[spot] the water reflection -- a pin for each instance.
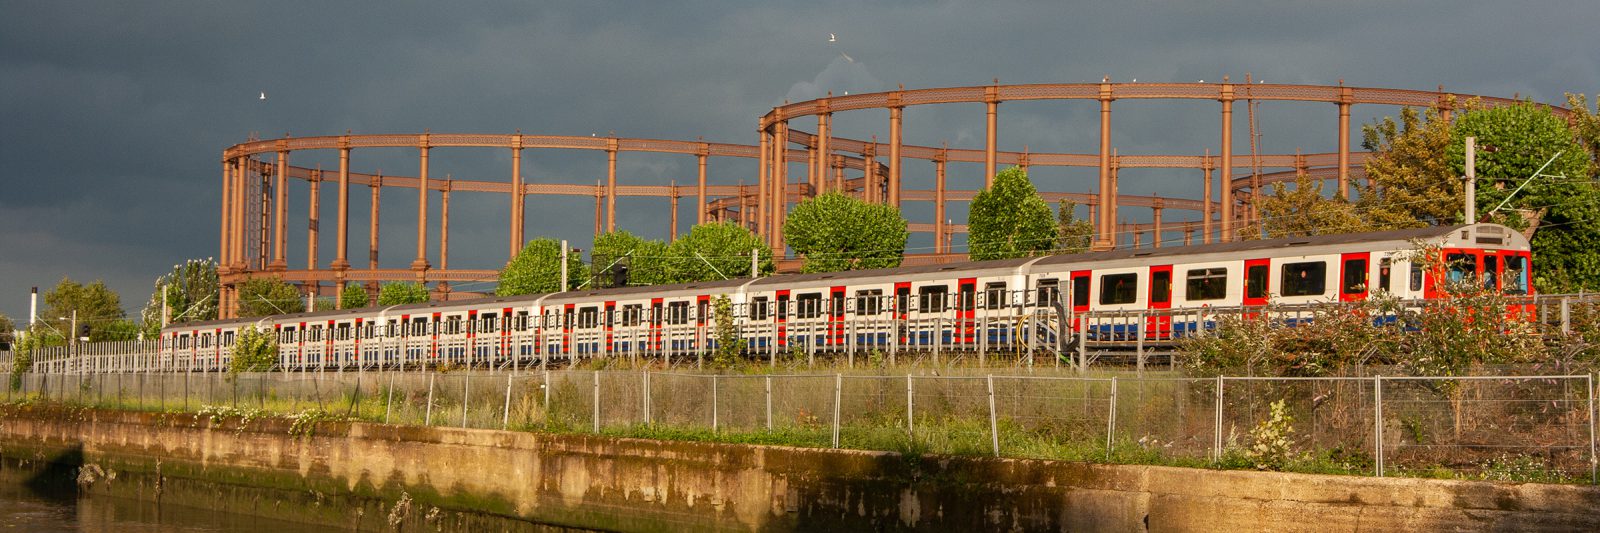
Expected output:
(54, 509)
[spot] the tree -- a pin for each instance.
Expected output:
(726, 334)
(1559, 208)
(191, 295)
(717, 250)
(1073, 235)
(255, 351)
(835, 231)
(96, 305)
(1410, 182)
(1586, 126)
(354, 296)
(1304, 211)
(619, 251)
(401, 293)
(1009, 219)
(7, 336)
(262, 296)
(537, 268)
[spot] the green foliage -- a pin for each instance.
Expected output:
(716, 250)
(7, 336)
(37, 337)
(643, 258)
(401, 293)
(354, 296)
(1073, 235)
(836, 232)
(117, 330)
(1009, 219)
(97, 307)
(1410, 181)
(1272, 446)
(727, 334)
(1559, 208)
(1305, 210)
(537, 269)
(191, 295)
(262, 296)
(1586, 127)
(254, 351)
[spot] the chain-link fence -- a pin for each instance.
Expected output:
(1532, 428)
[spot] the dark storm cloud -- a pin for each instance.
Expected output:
(113, 115)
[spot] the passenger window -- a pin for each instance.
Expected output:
(1415, 279)
(588, 317)
(1206, 284)
(1461, 267)
(869, 302)
(630, 314)
(1161, 287)
(758, 308)
(783, 307)
(1049, 290)
(1355, 276)
(968, 295)
(1080, 291)
(1119, 289)
(1385, 278)
(902, 300)
(1491, 272)
(931, 299)
(1516, 278)
(1255, 282)
(678, 313)
(808, 305)
(994, 295)
(1305, 279)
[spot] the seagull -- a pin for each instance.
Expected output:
(832, 38)
(263, 95)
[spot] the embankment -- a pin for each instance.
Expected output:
(355, 474)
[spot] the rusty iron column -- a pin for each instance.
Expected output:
(420, 264)
(744, 206)
(1345, 97)
(938, 200)
(280, 202)
(991, 102)
(341, 261)
(225, 222)
(518, 210)
(869, 174)
(763, 175)
(672, 232)
(1188, 236)
(1113, 209)
(238, 237)
(700, 189)
(598, 215)
(811, 166)
(1205, 199)
(1155, 237)
(823, 120)
(1105, 223)
(444, 224)
(780, 182)
(611, 185)
(896, 112)
(314, 218)
(372, 224)
(1226, 176)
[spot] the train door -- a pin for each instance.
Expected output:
(1353, 276)
(836, 316)
(966, 307)
(702, 310)
(1079, 294)
(1159, 324)
(902, 307)
(781, 317)
(610, 326)
(472, 336)
(1257, 282)
(433, 337)
(356, 335)
(1460, 268)
(655, 324)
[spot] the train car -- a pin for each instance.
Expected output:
(974, 306)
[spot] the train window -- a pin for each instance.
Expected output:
(836, 302)
(522, 321)
(1206, 284)
(1516, 278)
(967, 296)
(678, 313)
(655, 314)
(902, 300)
(1255, 281)
(1460, 267)
(1080, 291)
(452, 325)
(994, 295)
(588, 317)
(1119, 289)
(1491, 272)
(869, 302)
(1415, 279)
(1305, 279)
(1385, 278)
(931, 298)
(227, 338)
(419, 326)
(630, 315)
(807, 305)
(783, 307)
(759, 308)
(344, 332)
(1049, 290)
(1355, 276)
(1161, 286)
(703, 311)
(491, 322)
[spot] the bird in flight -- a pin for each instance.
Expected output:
(263, 95)
(832, 38)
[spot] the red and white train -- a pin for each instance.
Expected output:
(969, 306)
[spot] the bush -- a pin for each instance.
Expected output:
(255, 351)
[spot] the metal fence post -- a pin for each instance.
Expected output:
(546, 388)
(994, 425)
(645, 377)
(714, 403)
(1566, 316)
(769, 403)
(388, 403)
(1217, 446)
(911, 425)
(1594, 476)
(1111, 418)
(838, 390)
(597, 401)
(1377, 422)
(466, 397)
(427, 417)
(505, 416)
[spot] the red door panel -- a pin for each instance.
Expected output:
(1354, 269)
(1159, 325)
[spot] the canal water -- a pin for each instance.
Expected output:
(63, 510)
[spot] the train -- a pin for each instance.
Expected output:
(972, 306)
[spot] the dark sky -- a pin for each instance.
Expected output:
(113, 115)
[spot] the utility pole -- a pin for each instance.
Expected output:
(33, 307)
(1472, 180)
(166, 312)
(564, 249)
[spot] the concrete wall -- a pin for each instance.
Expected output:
(639, 485)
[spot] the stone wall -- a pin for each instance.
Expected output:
(639, 485)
